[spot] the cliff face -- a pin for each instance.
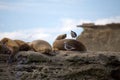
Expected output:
(101, 37)
(64, 65)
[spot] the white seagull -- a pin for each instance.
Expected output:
(68, 47)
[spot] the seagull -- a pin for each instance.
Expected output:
(68, 47)
(73, 34)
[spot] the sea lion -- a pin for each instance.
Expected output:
(23, 46)
(41, 46)
(62, 36)
(60, 45)
(11, 45)
(4, 49)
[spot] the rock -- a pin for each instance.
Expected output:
(41, 46)
(115, 74)
(101, 37)
(73, 66)
(24, 57)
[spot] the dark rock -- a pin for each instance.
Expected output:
(115, 74)
(74, 66)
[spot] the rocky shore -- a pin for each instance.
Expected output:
(94, 55)
(62, 65)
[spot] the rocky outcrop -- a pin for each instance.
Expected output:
(100, 37)
(65, 65)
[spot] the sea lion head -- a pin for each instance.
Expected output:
(62, 36)
(4, 40)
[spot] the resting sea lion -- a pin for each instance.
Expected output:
(11, 45)
(62, 36)
(41, 46)
(60, 45)
(4, 49)
(23, 46)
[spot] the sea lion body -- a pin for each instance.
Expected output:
(41, 46)
(11, 45)
(4, 49)
(62, 36)
(59, 45)
(23, 46)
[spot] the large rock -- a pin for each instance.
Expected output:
(31, 56)
(63, 66)
(101, 37)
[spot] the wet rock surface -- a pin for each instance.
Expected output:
(63, 65)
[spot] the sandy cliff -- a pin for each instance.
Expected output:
(101, 37)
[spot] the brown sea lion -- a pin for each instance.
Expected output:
(11, 44)
(23, 46)
(4, 40)
(4, 49)
(62, 36)
(76, 45)
(41, 46)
